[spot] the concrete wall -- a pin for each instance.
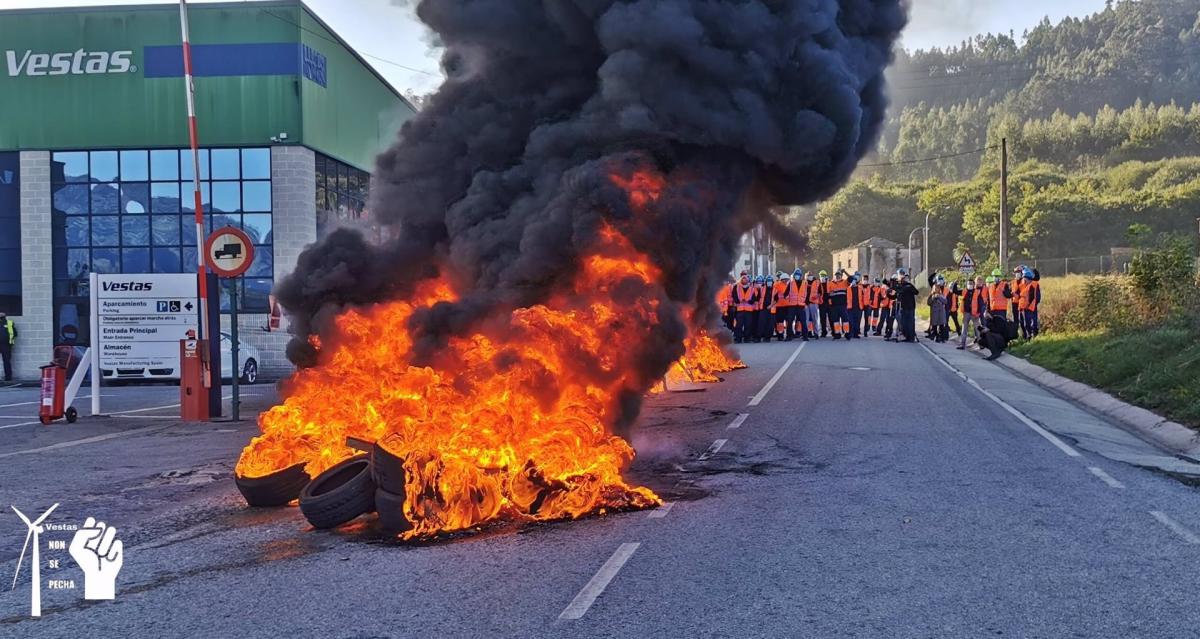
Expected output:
(35, 327)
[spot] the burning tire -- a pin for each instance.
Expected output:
(387, 470)
(339, 494)
(276, 489)
(390, 507)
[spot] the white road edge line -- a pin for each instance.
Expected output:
(596, 585)
(737, 423)
(1175, 526)
(713, 450)
(1071, 452)
(771, 384)
(79, 442)
(1105, 477)
(661, 511)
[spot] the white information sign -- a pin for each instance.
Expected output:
(141, 318)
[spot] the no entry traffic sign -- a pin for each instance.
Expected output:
(229, 251)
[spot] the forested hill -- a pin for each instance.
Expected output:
(1134, 53)
(1102, 119)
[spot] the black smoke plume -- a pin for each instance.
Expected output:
(503, 180)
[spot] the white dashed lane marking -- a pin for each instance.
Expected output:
(596, 585)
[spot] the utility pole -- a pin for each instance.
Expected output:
(1004, 204)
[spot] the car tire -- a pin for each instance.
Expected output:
(250, 372)
(388, 470)
(276, 489)
(390, 507)
(339, 494)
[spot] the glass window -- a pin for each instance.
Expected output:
(164, 164)
(77, 230)
(188, 198)
(135, 260)
(106, 260)
(77, 263)
(264, 262)
(320, 171)
(134, 166)
(104, 231)
(100, 224)
(71, 199)
(164, 197)
(104, 166)
(256, 292)
(135, 231)
(166, 260)
(164, 231)
(320, 198)
(256, 164)
(227, 197)
(106, 199)
(258, 227)
(70, 167)
(186, 173)
(256, 196)
(135, 198)
(343, 178)
(226, 164)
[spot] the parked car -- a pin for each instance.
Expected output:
(248, 358)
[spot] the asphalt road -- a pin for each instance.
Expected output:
(868, 489)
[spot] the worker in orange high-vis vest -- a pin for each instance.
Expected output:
(1015, 304)
(800, 310)
(953, 299)
(1031, 299)
(725, 303)
(745, 302)
(854, 306)
(887, 301)
(867, 293)
(766, 311)
(836, 294)
(823, 278)
(999, 294)
(787, 305)
(813, 298)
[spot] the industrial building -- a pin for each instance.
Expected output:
(95, 171)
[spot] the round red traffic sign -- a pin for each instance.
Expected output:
(229, 251)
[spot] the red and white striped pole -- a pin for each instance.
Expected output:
(194, 137)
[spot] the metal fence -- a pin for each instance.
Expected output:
(1092, 265)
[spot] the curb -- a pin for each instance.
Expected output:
(1168, 434)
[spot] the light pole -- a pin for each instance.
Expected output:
(925, 247)
(910, 238)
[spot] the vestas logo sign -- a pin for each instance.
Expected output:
(78, 62)
(128, 287)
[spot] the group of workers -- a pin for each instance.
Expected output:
(850, 306)
(813, 305)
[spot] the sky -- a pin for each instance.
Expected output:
(390, 38)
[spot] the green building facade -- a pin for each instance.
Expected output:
(95, 175)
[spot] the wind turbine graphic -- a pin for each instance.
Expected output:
(35, 529)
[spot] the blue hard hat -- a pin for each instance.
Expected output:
(798, 272)
(760, 279)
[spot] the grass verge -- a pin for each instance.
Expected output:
(1155, 368)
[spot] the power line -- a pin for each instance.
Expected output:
(932, 159)
(365, 55)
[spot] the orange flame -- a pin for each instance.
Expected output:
(514, 421)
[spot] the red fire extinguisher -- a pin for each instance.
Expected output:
(54, 378)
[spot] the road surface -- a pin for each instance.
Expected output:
(862, 489)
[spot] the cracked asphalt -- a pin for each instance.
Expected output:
(873, 492)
